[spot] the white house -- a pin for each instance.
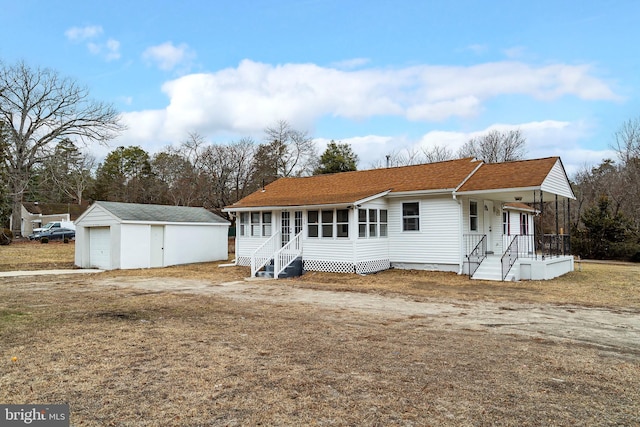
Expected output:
(111, 235)
(461, 215)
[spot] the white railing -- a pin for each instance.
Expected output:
(261, 256)
(286, 254)
(509, 257)
(526, 244)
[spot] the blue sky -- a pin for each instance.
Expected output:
(383, 76)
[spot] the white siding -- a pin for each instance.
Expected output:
(96, 216)
(556, 182)
(341, 250)
(186, 244)
(438, 240)
(135, 250)
(246, 245)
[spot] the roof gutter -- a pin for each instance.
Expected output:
(288, 207)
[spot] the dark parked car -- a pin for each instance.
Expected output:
(55, 234)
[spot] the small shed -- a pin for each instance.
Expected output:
(113, 235)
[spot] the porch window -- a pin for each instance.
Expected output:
(506, 224)
(244, 223)
(297, 222)
(266, 224)
(373, 223)
(362, 223)
(383, 223)
(312, 226)
(473, 216)
(411, 216)
(342, 223)
(255, 224)
(327, 223)
(524, 224)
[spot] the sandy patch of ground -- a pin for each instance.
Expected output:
(613, 329)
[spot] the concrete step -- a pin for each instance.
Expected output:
(491, 269)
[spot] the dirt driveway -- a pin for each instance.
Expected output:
(616, 330)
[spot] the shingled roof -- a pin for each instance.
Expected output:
(461, 175)
(517, 174)
(350, 187)
(160, 213)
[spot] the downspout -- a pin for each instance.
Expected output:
(236, 243)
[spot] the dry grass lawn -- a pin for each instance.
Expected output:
(129, 357)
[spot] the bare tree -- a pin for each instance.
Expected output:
(627, 146)
(627, 141)
(294, 151)
(438, 153)
(496, 147)
(41, 108)
(70, 170)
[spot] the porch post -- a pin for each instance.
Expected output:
(569, 225)
(541, 222)
(557, 228)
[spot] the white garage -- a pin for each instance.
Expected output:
(113, 235)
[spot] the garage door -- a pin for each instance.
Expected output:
(100, 247)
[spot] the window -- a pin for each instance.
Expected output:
(312, 220)
(297, 226)
(473, 216)
(383, 223)
(244, 223)
(506, 224)
(342, 223)
(373, 223)
(255, 223)
(362, 223)
(327, 223)
(266, 223)
(524, 224)
(411, 216)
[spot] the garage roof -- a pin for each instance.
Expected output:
(160, 213)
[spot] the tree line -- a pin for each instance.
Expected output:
(46, 122)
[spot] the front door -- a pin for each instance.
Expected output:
(487, 218)
(290, 225)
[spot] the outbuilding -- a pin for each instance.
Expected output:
(113, 235)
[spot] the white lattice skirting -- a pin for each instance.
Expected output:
(244, 261)
(364, 267)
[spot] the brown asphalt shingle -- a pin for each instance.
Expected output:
(518, 174)
(349, 187)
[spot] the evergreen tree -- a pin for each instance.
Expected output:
(337, 158)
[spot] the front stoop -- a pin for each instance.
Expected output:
(491, 269)
(292, 270)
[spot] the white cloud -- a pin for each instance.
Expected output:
(351, 64)
(244, 99)
(478, 49)
(78, 34)
(515, 52)
(167, 56)
(109, 50)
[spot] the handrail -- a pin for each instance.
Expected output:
(264, 253)
(286, 254)
(509, 257)
(480, 253)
